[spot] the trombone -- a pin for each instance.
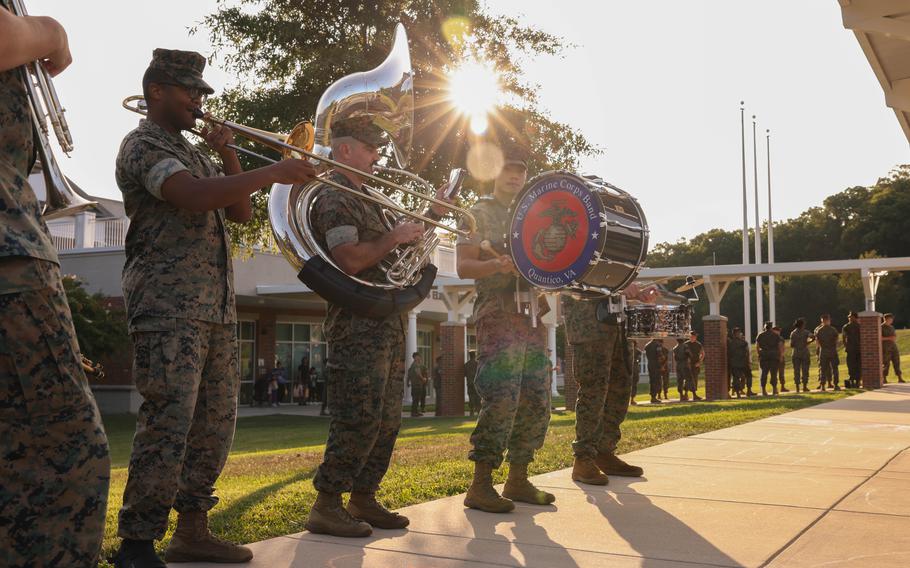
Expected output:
(299, 141)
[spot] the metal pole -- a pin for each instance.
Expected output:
(772, 301)
(759, 292)
(747, 293)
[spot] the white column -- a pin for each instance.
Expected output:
(551, 345)
(410, 347)
(759, 289)
(85, 230)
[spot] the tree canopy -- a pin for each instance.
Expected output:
(287, 52)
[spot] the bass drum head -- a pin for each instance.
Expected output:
(555, 235)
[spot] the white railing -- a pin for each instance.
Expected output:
(98, 233)
(111, 232)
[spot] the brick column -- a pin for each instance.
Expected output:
(717, 381)
(450, 402)
(571, 387)
(870, 341)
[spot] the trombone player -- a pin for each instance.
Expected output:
(54, 461)
(178, 283)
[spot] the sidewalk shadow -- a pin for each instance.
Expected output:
(655, 534)
(530, 539)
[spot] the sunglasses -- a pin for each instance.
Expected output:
(192, 92)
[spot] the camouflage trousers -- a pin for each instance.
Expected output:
(855, 366)
(741, 378)
(768, 371)
(54, 462)
(188, 375)
(602, 371)
(655, 382)
(827, 368)
(514, 394)
(891, 356)
(683, 377)
(365, 387)
(801, 369)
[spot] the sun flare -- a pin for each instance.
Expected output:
(474, 89)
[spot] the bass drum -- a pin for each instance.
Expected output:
(577, 233)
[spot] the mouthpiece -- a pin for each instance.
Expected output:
(198, 114)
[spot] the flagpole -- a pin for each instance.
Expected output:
(759, 292)
(747, 293)
(772, 311)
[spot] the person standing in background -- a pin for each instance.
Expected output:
(851, 337)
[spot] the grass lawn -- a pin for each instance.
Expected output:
(266, 489)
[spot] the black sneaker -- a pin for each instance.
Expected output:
(137, 554)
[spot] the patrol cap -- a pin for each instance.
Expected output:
(360, 128)
(515, 153)
(181, 67)
(853, 314)
(888, 315)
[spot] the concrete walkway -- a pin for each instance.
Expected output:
(823, 486)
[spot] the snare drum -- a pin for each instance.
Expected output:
(651, 320)
(567, 231)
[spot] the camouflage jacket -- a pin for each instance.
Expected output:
(22, 230)
(888, 330)
(737, 353)
(417, 375)
(657, 356)
(178, 262)
(851, 336)
(494, 292)
(681, 354)
(799, 341)
(581, 321)
(695, 349)
(768, 345)
(339, 218)
(826, 335)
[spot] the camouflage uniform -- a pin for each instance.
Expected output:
(799, 342)
(603, 370)
(656, 354)
(417, 381)
(470, 374)
(738, 360)
(636, 369)
(683, 369)
(54, 463)
(511, 354)
(365, 363)
(179, 288)
(695, 349)
(768, 356)
(891, 354)
(851, 333)
(826, 335)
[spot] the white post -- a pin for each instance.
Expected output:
(759, 292)
(410, 348)
(85, 230)
(772, 302)
(747, 292)
(551, 345)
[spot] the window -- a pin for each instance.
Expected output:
(472, 340)
(300, 346)
(246, 347)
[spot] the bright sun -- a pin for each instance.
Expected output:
(474, 89)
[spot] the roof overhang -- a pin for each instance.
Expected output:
(882, 28)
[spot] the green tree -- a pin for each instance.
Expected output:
(287, 52)
(100, 329)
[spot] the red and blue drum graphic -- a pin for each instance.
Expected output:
(557, 230)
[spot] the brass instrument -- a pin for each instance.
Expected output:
(386, 95)
(60, 200)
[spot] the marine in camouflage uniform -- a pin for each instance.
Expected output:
(800, 338)
(782, 362)
(636, 370)
(178, 284)
(851, 337)
(696, 355)
(891, 355)
(738, 361)
(603, 364)
(54, 462)
(826, 336)
(656, 354)
(683, 369)
(417, 380)
(768, 344)
(511, 353)
(470, 374)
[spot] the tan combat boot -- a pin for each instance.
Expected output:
(518, 488)
(482, 496)
(584, 470)
(193, 542)
(328, 516)
(365, 507)
(612, 465)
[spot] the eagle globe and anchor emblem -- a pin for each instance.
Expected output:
(556, 230)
